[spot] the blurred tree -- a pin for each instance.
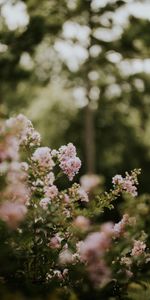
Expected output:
(94, 54)
(18, 46)
(115, 93)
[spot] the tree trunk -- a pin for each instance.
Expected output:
(89, 139)
(89, 112)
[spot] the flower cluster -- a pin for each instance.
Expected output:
(27, 135)
(89, 182)
(15, 192)
(137, 254)
(92, 251)
(12, 213)
(9, 145)
(94, 248)
(128, 183)
(119, 228)
(42, 156)
(68, 161)
(138, 248)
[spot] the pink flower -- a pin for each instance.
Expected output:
(68, 161)
(119, 228)
(54, 153)
(49, 179)
(126, 261)
(12, 213)
(89, 182)
(83, 195)
(82, 223)
(9, 148)
(24, 166)
(92, 250)
(117, 180)
(127, 184)
(58, 274)
(66, 198)
(51, 191)
(66, 152)
(16, 172)
(18, 192)
(43, 158)
(38, 182)
(94, 245)
(28, 135)
(129, 273)
(99, 273)
(138, 248)
(44, 203)
(71, 167)
(108, 228)
(24, 129)
(65, 257)
(55, 242)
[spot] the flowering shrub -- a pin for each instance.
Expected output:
(50, 238)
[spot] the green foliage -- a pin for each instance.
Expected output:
(139, 291)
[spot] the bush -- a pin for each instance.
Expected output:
(52, 244)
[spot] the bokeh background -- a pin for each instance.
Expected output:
(80, 70)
